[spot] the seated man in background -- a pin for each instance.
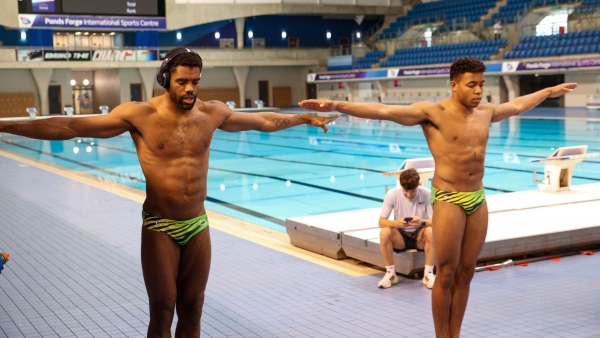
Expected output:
(410, 229)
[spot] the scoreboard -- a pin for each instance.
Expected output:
(146, 8)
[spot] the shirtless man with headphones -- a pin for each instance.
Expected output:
(172, 135)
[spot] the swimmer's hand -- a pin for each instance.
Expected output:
(562, 89)
(323, 106)
(319, 121)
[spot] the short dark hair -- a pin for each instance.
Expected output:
(465, 65)
(184, 59)
(409, 179)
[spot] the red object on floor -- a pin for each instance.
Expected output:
(587, 253)
(492, 268)
(556, 259)
(523, 264)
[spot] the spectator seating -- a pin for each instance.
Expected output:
(362, 63)
(443, 54)
(449, 11)
(584, 42)
(588, 6)
(516, 8)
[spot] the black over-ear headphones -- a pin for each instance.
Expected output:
(164, 77)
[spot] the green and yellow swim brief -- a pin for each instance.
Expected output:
(180, 231)
(469, 201)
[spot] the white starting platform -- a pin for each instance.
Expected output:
(520, 223)
(594, 102)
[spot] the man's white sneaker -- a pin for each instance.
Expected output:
(388, 280)
(428, 280)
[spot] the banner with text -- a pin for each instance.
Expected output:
(26, 55)
(63, 55)
(392, 73)
(516, 66)
(84, 21)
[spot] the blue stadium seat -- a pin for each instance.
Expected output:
(559, 51)
(586, 49)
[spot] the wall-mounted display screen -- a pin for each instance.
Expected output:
(146, 8)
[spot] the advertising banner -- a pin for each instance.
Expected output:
(348, 76)
(391, 73)
(516, 66)
(26, 55)
(63, 55)
(83, 21)
(125, 55)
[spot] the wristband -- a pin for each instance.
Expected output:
(334, 105)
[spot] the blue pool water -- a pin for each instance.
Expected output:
(265, 178)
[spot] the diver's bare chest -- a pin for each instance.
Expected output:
(467, 132)
(173, 140)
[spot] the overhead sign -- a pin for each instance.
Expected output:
(63, 55)
(517, 66)
(83, 21)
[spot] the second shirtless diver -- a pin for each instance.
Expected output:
(457, 131)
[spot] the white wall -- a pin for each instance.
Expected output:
(81, 75)
(127, 76)
(107, 90)
(294, 77)
(330, 91)
(412, 87)
(221, 77)
(9, 12)
(419, 87)
(589, 84)
(19, 81)
(62, 78)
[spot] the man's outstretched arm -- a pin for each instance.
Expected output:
(406, 115)
(269, 122)
(527, 102)
(64, 128)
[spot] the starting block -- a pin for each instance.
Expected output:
(104, 109)
(558, 167)
(69, 111)
(424, 166)
(260, 104)
(32, 112)
(231, 104)
(594, 102)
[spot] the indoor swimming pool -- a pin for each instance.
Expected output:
(265, 178)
